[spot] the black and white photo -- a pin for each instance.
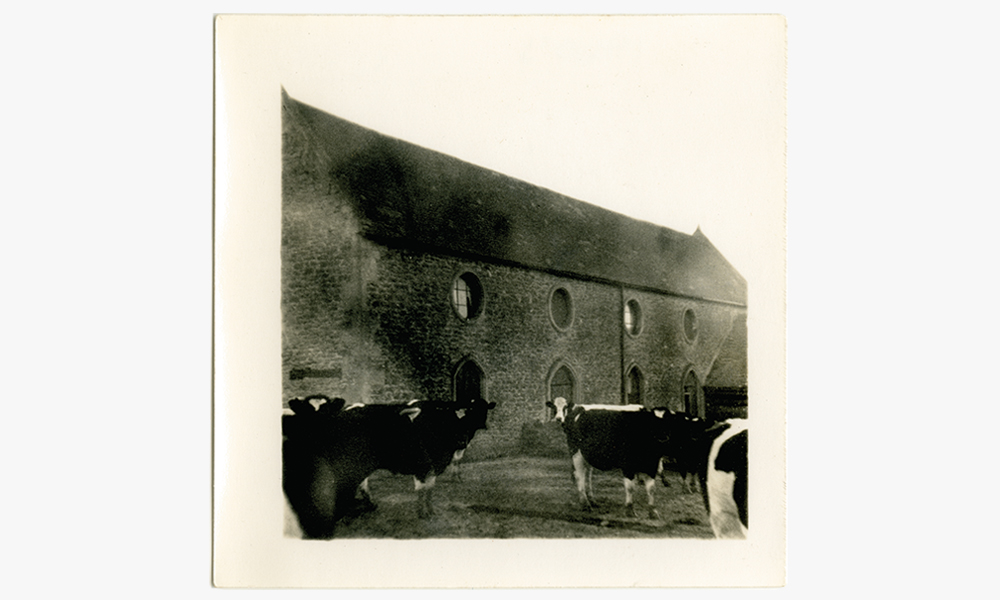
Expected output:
(519, 280)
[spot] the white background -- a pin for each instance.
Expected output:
(106, 261)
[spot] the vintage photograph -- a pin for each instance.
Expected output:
(489, 337)
(537, 327)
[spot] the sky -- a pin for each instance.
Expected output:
(675, 121)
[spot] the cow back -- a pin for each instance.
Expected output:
(632, 441)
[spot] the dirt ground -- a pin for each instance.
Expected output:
(524, 497)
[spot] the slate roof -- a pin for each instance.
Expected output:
(410, 196)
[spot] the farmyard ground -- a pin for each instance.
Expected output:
(524, 497)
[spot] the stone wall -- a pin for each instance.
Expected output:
(375, 323)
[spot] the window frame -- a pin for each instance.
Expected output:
(635, 315)
(692, 336)
(473, 288)
(575, 384)
(697, 398)
(640, 381)
(570, 308)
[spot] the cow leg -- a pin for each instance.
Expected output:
(366, 502)
(629, 509)
(650, 484)
(581, 475)
(590, 484)
(424, 488)
(456, 457)
(661, 472)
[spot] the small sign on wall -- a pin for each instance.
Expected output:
(314, 373)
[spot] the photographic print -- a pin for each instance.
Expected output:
(489, 288)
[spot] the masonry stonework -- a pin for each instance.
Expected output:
(367, 302)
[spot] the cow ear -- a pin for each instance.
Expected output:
(300, 406)
(411, 413)
(460, 413)
(660, 413)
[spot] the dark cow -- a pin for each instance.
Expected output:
(688, 448)
(328, 456)
(725, 488)
(611, 437)
(443, 430)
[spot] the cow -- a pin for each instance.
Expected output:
(444, 430)
(328, 457)
(717, 453)
(628, 438)
(724, 488)
(688, 450)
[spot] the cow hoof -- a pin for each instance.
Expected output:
(653, 514)
(630, 511)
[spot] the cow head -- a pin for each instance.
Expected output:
(471, 417)
(328, 406)
(316, 403)
(561, 406)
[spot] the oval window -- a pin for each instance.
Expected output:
(690, 325)
(467, 296)
(633, 317)
(561, 308)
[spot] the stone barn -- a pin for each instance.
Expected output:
(409, 274)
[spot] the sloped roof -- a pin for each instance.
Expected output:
(411, 196)
(729, 370)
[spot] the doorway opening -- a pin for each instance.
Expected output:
(469, 382)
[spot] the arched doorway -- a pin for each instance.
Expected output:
(692, 393)
(562, 384)
(633, 386)
(469, 382)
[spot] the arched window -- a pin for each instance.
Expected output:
(633, 386)
(692, 391)
(467, 296)
(469, 382)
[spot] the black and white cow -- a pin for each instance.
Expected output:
(328, 456)
(614, 437)
(443, 430)
(725, 486)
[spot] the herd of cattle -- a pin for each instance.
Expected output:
(331, 448)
